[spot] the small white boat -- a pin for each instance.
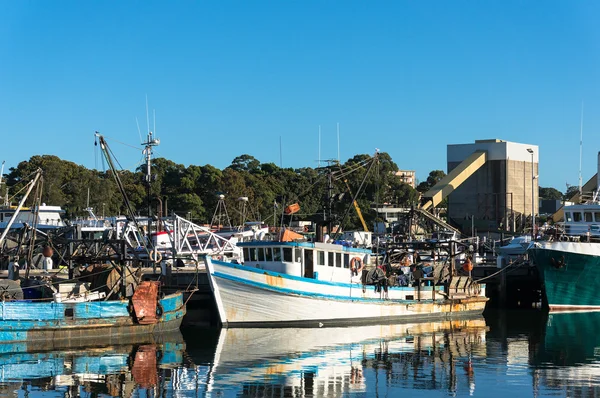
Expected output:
(516, 247)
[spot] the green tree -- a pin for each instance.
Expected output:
(572, 190)
(434, 177)
(245, 163)
(550, 193)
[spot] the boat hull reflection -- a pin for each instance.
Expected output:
(313, 361)
(72, 363)
(569, 354)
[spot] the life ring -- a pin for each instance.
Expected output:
(353, 268)
(156, 256)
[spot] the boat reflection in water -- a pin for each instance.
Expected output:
(332, 361)
(568, 357)
(119, 368)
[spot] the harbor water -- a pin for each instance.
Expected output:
(519, 353)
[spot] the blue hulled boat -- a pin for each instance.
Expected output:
(145, 313)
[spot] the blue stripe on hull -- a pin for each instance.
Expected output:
(315, 295)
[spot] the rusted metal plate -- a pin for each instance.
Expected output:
(145, 301)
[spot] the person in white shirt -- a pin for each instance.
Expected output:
(47, 264)
(13, 269)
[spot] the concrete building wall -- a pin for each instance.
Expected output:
(499, 194)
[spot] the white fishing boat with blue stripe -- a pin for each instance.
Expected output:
(316, 284)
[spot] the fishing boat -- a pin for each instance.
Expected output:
(76, 314)
(291, 281)
(319, 284)
(569, 258)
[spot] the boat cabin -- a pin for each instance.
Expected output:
(582, 220)
(322, 261)
(48, 216)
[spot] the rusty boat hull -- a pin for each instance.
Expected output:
(111, 321)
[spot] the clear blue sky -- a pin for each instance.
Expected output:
(227, 78)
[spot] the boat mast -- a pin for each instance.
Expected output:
(106, 152)
(150, 142)
(329, 210)
(1, 174)
(31, 184)
(580, 151)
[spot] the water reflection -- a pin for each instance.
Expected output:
(333, 361)
(82, 367)
(568, 357)
(521, 354)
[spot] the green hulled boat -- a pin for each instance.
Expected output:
(570, 271)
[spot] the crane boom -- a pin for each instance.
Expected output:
(357, 208)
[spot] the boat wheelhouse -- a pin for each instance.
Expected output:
(582, 220)
(316, 260)
(48, 217)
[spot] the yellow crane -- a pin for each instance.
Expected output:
(357, 208)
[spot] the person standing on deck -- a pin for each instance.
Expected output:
(47, 264)
(13, 269)
(418, 274)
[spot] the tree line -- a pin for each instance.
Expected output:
(193, 191)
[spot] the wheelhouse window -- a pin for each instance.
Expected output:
(568, 216)
(338, 260)
(297, 254)
(576, 216)
(330, 259)
(346, 260)
(308, 258)
(320, 257)
(269, 254)
(261, 254)
(287, 254)
(588, 216)
(276, 254)
(597, 216)
(253, 255)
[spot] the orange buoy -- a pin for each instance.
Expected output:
(468, 265)
(291, 209)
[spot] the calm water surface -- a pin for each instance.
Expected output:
(516, 354)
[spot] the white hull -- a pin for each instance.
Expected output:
(247, 296)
